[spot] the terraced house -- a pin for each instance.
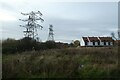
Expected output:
(96, 41)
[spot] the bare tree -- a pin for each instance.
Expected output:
(119, 34)
(113, 35)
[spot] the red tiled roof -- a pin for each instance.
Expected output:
(95, 39)
(85, 39)
(106, 39)
(92, 39)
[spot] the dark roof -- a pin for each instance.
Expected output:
(92, 39)
(97, 39)
(106, 39)
(85, 39)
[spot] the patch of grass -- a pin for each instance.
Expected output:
(83, 62)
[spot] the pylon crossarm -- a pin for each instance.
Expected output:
(24, 13)
(23, 19)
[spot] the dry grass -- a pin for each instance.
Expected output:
(99, 62)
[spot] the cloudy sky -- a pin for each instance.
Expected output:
(71, 19)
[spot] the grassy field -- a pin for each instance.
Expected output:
(85, 62)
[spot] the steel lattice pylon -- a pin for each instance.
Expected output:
(32, 24)
(50, 36)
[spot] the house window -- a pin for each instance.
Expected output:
(93, 43)
(85, 43)
(98, 43)
(104, 43)
(108, 43)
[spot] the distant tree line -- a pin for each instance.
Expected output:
(27, 44)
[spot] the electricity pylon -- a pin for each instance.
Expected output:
(50, 36)
(32, 24)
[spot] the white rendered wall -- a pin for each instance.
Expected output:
(90, 43)
(101, 43)
(107, 43)
(111, 43)
(82, 43)
(96, 43)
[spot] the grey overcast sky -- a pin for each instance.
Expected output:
(71, 19)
